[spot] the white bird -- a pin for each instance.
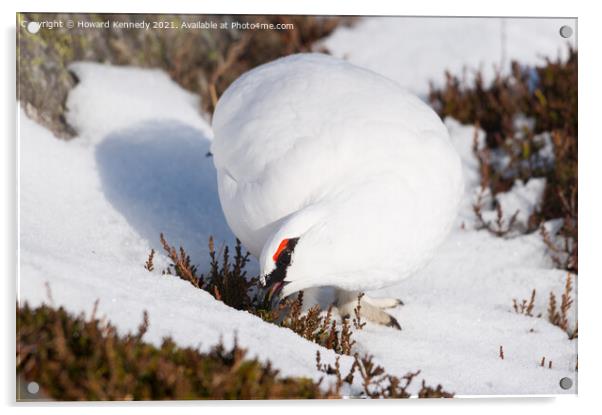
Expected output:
(333, 175)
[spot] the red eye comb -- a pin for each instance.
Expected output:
(281, 248)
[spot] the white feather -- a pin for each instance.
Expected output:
(361, 171)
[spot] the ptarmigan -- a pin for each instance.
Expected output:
(333, 175)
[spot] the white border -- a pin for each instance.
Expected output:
(552, 8)
(589, 166)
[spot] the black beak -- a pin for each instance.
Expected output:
(275, 289)
(274, 281)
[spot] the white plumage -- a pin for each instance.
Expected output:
(361, 171)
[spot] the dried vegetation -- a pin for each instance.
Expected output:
(530, 121)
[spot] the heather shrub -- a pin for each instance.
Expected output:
(227, 281)
(79, 358)
(557, 314)
(524, 114)
(376, 383)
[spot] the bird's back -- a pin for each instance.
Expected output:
(310, 129)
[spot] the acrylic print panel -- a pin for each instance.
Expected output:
(270, 207)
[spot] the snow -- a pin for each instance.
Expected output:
(458, 312)
(142, 95)
(414, 50)
(522, 200)
(91, 209)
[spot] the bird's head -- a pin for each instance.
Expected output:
(276, 266)
(286, 258)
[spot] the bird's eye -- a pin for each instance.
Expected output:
(284, 259)
(282, 256)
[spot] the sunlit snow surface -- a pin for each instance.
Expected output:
(416, 50)
(91, 209)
